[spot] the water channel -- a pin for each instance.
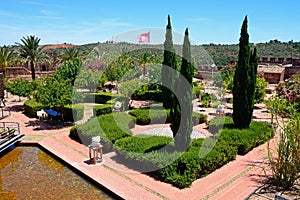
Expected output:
(31, 173)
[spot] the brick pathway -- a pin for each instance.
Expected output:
(236, 180)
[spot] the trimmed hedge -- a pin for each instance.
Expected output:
(146, 116)
(199, 118)
(73, 112)
(99, 97)
(246, 139)
(110, 127)
(31, 106)
(103, 109)
(154, 95)
(142, 143)
(156, 114)
(218, 123)
(203, 156)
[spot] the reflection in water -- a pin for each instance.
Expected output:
(30, 173)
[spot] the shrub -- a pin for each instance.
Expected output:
(199, 118)
(110, 127)
(190, 166)
(154, 95)
(217, 123)
(146, 116)
(103, 109)
(142, 143)
(181, 170)
(196, 91)
(31, 106)
(100, 97)
(208, 97)
(73, 112)
(246, 139)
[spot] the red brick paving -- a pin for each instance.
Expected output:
(236, 180)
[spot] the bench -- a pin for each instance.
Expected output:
(53, 114)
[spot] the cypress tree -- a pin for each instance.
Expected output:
(182, 105)
(168, 75)
(252, 81)
(244, 81)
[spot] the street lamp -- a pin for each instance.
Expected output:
(212, 72)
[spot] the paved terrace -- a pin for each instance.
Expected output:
(236, 180)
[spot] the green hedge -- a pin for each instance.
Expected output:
(144, 152)
(73, 112)
(199, 118)
(70, 112)
(218, 123)
(31, 106)
(103, 109)
(247, 139)
(156, 114)
(155, 95)
(146, 116)
(99, 97)
(110, 127)
(142, 143)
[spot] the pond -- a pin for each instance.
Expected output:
(30, 173)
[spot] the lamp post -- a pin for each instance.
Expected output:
(212, 73)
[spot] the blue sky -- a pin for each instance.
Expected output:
(210, 21)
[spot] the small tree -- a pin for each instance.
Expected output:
(68, 70)
(7, 57)
(127, 88)
(260, 90)
(54, 93)
(20, 87)
(88, 79)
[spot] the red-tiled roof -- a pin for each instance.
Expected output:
(56, 46)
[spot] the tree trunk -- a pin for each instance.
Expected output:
(32, 70)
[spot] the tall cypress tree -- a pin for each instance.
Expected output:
(168, 68)
(181, 124)
(244, 81)
(252, 81)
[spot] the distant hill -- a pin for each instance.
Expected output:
(221, 55)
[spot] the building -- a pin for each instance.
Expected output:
(273, 74)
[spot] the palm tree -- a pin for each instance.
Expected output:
(32, 52)
(69, 54)
(7, 57)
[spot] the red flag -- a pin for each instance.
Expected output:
(144, 38)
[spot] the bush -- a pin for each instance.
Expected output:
(103, 109)
(154, 95)
(246, 139)
(142, 143)
(199, 118)
(73, 112)
(110, 127)
(146, 116)
(217, 123)
(31, 106)
(208, 97)
(146, 152)
(100, 97)
(196, 91)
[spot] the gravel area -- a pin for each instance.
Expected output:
(168, 133)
